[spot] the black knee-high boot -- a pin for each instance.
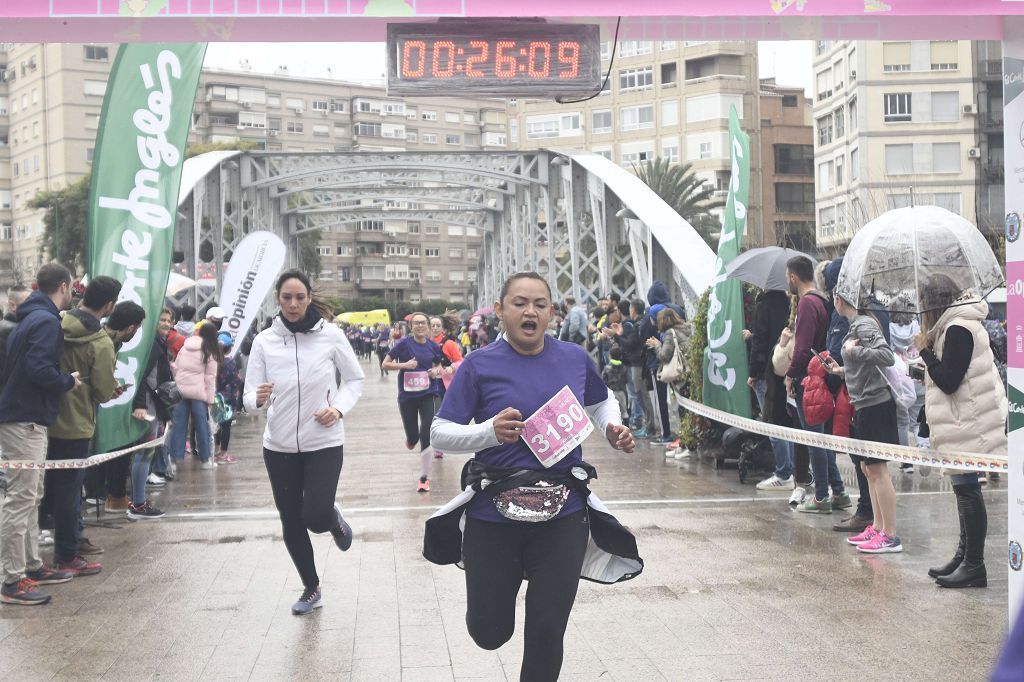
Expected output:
(971, 571)
(958, 557)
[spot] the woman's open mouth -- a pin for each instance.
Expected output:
(529, 326)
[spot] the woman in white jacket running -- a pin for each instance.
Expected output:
(292, 372)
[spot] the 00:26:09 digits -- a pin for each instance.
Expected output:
(536, 59)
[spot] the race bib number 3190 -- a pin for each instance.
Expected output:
(557, 428)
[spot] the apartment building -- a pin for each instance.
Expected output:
(988, 83)
(787, 151)
(663, 98)
(404, 259)
(50, 100)
(895, 123)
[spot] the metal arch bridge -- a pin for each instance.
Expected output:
(587, 225)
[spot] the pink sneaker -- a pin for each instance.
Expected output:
(225, 459)
(881, 544)
(438, 454)
(864, 536)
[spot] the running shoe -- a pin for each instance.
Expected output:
(673, 445)
(209, 464)
(800, 494)
(907, 468)
(640, 433)
(683, 453)
(156, 480)
(225, 458)
(23, 592)
(669, 454)
(423, 486)
(342, 532)
(79, 566)
(144, 511)
(881, 544)
(815, 506)
(44, 575)
(842, 501)
(773, 482)
(865, 535)
(310, 599)
(663, 440)
(438, 454)
(45, 538)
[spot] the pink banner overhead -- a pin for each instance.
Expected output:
(523, 8)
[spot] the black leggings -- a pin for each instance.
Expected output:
(423, 409)
(496, 557)
(662, 391)
(305, 485)
(223, 437)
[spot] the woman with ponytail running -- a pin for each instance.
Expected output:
(418, 362)
(292, 373)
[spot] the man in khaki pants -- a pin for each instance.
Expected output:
(33, 383)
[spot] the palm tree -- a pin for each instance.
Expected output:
(685, 192)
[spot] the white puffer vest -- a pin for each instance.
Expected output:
(972, 418)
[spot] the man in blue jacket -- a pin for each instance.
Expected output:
(28, 406)
(657, 300)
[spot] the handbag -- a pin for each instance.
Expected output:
(536, 503)
(167, 394)
(675, 369)
(782, 356)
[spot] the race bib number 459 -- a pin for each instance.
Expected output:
(414, 382)
(557, 428)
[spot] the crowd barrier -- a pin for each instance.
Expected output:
(895, 453)
(84, 463)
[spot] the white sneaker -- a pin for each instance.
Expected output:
(799, 495)
(45, 538)
(155, 480)
(669, 454)
(208, 464)
(172, 467)
(682, 453)
(773, 482)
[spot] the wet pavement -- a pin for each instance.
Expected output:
(736, 586)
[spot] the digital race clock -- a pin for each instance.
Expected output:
(494, 57)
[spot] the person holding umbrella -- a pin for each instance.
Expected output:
(966, 409)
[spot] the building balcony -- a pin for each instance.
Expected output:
(223, 106)
(372, 237)
(399, 284)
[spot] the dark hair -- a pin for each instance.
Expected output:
(623, 307)
(51, 276)
(125, 314)
(522, 275)
(101, 291)
(668, 318)
(325, 310)
(187, 313)
(938, 294)
(638, 305)
(615, 352)
(570, 300)
(614, 297)
(802, 267)
(449, 321)
(211, 347)
(413, 315)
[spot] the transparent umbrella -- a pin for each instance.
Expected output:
(898, 257)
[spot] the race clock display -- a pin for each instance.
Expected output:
(494, 57)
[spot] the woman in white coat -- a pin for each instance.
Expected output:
(292, 373)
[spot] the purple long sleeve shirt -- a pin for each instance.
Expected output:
(811, 328)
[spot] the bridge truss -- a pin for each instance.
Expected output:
(584, 223)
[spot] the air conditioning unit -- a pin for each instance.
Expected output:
(299, 111)
(323, 112)
(974, 153)
(853, 75)
(273, 133)
(246, 105)
(969, 109)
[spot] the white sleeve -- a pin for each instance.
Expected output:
(605, 413)
(255, 374)
(352, 376)
(449, 436)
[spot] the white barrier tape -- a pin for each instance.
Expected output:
(21, 464)
(863, 448)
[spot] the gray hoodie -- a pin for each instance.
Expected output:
(864, 379)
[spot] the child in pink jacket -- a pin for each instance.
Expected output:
(195, 372)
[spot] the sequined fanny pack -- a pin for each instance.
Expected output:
(535, 503)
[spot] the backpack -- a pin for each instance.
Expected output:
(900, 384)
(221, 410)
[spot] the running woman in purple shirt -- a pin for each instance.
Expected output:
(486, 410)
(418, 361)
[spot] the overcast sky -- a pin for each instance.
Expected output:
(789, 62)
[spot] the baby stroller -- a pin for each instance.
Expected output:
(752, 452)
